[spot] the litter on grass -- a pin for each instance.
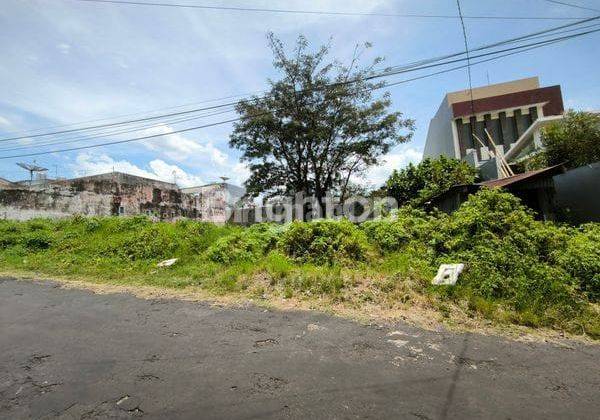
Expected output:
(167, 263)
(448, 274)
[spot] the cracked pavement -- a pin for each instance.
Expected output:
(69, 353)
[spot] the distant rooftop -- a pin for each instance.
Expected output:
(107, 175)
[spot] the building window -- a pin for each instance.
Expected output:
(121, 210)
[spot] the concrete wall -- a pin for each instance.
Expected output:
(110, 195)
(440, 140)
(22, 204)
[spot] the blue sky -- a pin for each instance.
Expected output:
(64, 62)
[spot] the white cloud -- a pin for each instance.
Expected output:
(205, 156)
(163, 170)
(4, 122)
(397, 159)
(64, 48)
(180, 148)
(92, 164)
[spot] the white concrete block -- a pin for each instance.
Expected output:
(448, 274)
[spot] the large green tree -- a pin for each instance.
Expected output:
(417, 184)
(318, 126)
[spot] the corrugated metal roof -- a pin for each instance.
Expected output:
(499, 183)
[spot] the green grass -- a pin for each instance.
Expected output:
(518, 272)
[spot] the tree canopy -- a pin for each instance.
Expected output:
(318, 126)
(575, 139)
(417, 184)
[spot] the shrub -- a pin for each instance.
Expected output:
(324, 242)
(154, 241)
(124, 224)
(393, 233)
(245, 245)
(36, 240)
(574, 139)
(198, 236)
(581, 259)
(8, 240)
(38, 224)
(9, 233)
(507, 255)
(388, 235)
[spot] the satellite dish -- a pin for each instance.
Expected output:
(31, 168)
(224, 178)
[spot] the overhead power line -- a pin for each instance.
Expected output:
(473, 63)
(533, 35)
(110, 143)
(149, 111)
(464, 32)
(564, 3)
(391, 70)
(172, 114)
(117, 132)
(510, 51)
(323, 12)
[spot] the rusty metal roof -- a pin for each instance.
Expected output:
(499, 183)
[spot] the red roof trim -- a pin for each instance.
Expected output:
(551, 96)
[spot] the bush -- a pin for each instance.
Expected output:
(36, 241)
(248, 244)
(389, 235)
(393, 233)
(508, 256)
(324, 242)
(154, 241)
(9, 233)
(581, 259)
(199, 236)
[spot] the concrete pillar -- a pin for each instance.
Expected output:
(523, 122)
(508, 131)
(493, 127)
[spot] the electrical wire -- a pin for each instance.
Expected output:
(464, 32)
(150, 111)
(317, 12)
(118, 132)
(530, 47)
(472, 64)
(396, 69)
(325, 13)
(455, 61)
(564, 3)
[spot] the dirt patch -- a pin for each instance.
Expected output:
(418, 312)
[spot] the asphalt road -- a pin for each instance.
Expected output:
(74, 354)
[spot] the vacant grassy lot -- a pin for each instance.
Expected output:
(519, 271)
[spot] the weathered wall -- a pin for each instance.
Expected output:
(113, 194)
(440, 140)
(22, 204)
(5, 183)
(118, 193)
